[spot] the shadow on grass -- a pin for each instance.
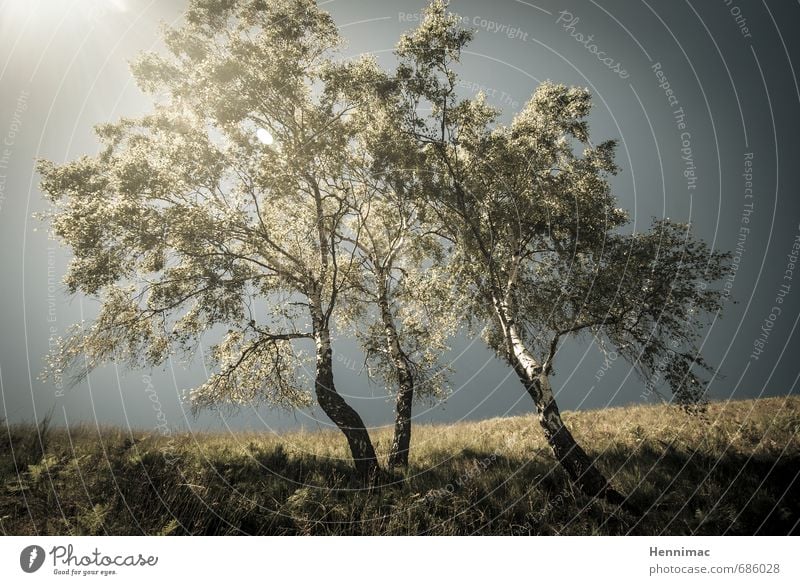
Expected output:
(690, 492)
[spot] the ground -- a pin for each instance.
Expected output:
(732, 470)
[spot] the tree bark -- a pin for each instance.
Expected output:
(401, 443)
(341, 413)
(578, 465)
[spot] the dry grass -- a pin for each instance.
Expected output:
(731, 471)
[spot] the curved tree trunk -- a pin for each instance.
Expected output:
(398, 455)
(578, 465)
(570, 454)
(341, 413)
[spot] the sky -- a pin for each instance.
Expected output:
(702, 96)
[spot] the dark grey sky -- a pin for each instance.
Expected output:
(63, 68)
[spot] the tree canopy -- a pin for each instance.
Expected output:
(537, 234)
(276, 189)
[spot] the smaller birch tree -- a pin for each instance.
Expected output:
(538, 236)
(400, 299)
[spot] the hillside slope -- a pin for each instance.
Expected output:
(733, 470)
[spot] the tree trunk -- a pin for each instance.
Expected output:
(398, 456)
(571, 456)
(578, 465)
(341, 413)
(401, 444)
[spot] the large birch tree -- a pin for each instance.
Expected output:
(222, 210)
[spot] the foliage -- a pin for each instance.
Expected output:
(402, 288)
(536, 229)
(187, 224)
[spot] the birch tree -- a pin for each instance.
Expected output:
(398, 297)
(538, 236)
(222, 210)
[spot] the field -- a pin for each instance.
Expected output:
(733, 470)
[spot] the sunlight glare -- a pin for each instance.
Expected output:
(264, 136)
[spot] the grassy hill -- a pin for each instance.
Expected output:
(733, 470)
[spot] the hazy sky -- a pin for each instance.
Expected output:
(729, 65)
